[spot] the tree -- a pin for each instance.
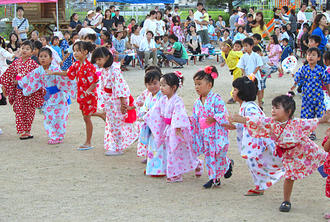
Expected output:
(217, 2)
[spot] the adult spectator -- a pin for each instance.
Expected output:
(259, 25)
(148, 49)
(284, 16)
(161, 29)
(107, 22)
(233, 19)
(301, 17)
(150, 23)
(118, 18)
(136, 37)
(220, 25)
(20, 24)
(97, 20)
(176, 11)
(293, 22)
(201, 24)
(318, 27)
(89, 18)
(251, 11)
(326, 14)
(119, 43)
(178, 54)
(13, 44)
(194, 43)
(112, 10)
(74, 21)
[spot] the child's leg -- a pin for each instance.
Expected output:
(259, 95)
(29, 113)
(101, 115)
(89, 129)
(287, 189)
(19, 115)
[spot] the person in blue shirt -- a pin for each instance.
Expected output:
(312, 77)
(319, 25)
(55, 45)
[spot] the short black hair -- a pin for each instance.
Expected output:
(284, 27)
(91, 37)
(157, 38)
(150, 33)
(326, 56)
(174, 37)
(286, 9)
(172, 79)
(133, 19)
(242, 27)
(306, 25)
(19, 8)
(199, 4)
(28, 43)
(203, 75)
(54, 38)
(249, 16)
(102, 52)
(275, 39)
(153, 12)
(226, 30)
(176, 6)
(151, 67)
(37, 44)
(314, 49)
(248, 41)
(98, 9)
(287, 102)
(285, 40)
(84, 45)
(152, 75)
(247, 89)
(257, 36)
(47, 50)
(317, 39)
(256, 49)
(238, 42)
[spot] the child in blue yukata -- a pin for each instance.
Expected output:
(286, 52)
(312, 77)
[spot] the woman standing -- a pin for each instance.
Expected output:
(74, 21)
(293, 22)
(107, 22)
(160, 29)
(319, 25)
(259, 25)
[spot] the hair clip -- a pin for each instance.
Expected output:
(178, 74)
(289, 94)
(208, 69)
(251, 77)
(214, 75)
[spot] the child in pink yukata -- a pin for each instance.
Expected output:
(209, 137)
(301, 156)
(326, 145)
(170, 126)
(119, 133)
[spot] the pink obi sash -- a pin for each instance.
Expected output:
(167, 120)
(203, 124)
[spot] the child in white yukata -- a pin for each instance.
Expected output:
(301, 156)
(170, 126)
(119, 133)
(250, 63)
(209, 137)
(266, 168)
(57, 98)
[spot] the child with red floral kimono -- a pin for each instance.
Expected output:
(326, 145)
(23, 106)
(301, 156)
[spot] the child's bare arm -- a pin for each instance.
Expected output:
(91, 88)
(63, 73)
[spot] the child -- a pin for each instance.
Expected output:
(250, 63)
(85, 74)
(248, 27)
(45, 40)
(37, 45)
(231, 58)
(266, 169)
(326, 145)
(156, 155)
(209, 137)
(211, 32)
(55, 45)
(286, 52)
(301, 156)
(58, 88)
(312, 77)
(304, 40)
(56, 57)
(274, 50)
(240, 34)
(178, 31)
(68, 58)
(65, 43)
(119, 133)
(23, 106)
(314, 41)
(226, 36)
(257, 41)
(169, 124)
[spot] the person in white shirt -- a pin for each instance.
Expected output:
(136, 37)
(284, 16)
(148, 47)
(150, 24)
(326, 14)
(97, 20)
(201, 24)
(160, 31)
(301, 17)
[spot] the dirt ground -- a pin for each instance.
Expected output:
(39, 182)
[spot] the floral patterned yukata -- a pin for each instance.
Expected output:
(211, 140)
(327, 171)
(56, 107)
(118, 134)
(23, 106)
(301, 156)
(266, 168)
(163, 119)
(86, 76)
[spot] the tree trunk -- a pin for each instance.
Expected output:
(230, 7)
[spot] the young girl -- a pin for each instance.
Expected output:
(58, 88)
(23, 106)
(275, 50)
(85, 74)
(55, 45)
(240, 34)
(266, 169)
(119, 133)
(231, 58)
(301, 156)
(209, 137)
(178, 31)
(169, 125)
(326, 145)
(225, 37)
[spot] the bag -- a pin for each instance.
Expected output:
(178, 54)
(21, 23)
(205, 51)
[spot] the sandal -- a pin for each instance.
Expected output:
(25, 136)
(174, 179)
(85, 147)
(199, 168)
(254, 193)
(285, 206)
(229, 172)
(53, 142)
(212, 183)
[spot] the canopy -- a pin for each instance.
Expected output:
(139, 1)
(5, 2)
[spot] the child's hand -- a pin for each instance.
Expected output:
(49, 72)
(325, 118)
(228, 126)
(178, 132)
(292, 88)
(139, 104)
(123, 108)
(210, 120)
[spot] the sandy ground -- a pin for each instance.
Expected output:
(39, 182)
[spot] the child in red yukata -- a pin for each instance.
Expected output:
(326, 145)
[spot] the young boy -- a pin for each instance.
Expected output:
(304, 40)
(248, 27)
(312, 77)
(286, 52)
(37, 46)
(250, 63)
(257, 41)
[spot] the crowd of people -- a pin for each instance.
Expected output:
(87, 61)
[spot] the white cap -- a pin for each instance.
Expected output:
(90, 12)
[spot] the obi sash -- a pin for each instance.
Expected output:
(107, 90)
(203, 124)
(53, 90)
(167, 120)
(280, 151)
(131, 114)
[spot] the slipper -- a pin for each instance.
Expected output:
(178, 67)
(285, 206)
(25, 136)
(254, 193)
(175, 179)
(53, 142)
(85, 147)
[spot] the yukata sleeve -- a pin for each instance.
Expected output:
(194, 120)
(325, 77)
(65, 84)
(308, 125)
(120, 87)
(92, 76)
(72, 72)
(259, 126)
(298, 76)
(141, 98)
(180, 118)
(32, 82)
(221, 112)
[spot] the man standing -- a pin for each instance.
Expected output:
(118, 18)
(233, 22)
(201, 25)
(20, 24)
(301, 17)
